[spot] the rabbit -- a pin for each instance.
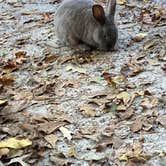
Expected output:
(80, 22)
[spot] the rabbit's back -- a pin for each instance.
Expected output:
(71, 18)
(76, 4)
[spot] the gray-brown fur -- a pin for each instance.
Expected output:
(76, 23)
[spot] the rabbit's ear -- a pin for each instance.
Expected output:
(98, 13)
(111, 7)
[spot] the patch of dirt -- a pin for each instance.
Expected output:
(65, 107)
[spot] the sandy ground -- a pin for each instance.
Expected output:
(83, 108)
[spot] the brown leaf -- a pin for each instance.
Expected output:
(162, 120)
(16, 106)
(137, 124)
(64, 59)
(27, 127)
(10, 65)
(161, 55)
(22, 40)
(131, 69)
(164, 68)
(132, 152)
(49, 127)
(158, 15)
(47, 16)
(51, 139)
(59, 160)
(149, 103)
(50, 58)
(102, 104)
(70, 83)
(124, 96)
(99, 95)
(108, 131)
(20, 54)
(12, 131)
(112, 79)
(6, 80)
(101, 145)
(126, 114)
(88, 110)
(148, 44)
(107, 77)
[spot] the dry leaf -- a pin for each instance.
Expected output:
(100, 94)
(121, 108)
(88, 110)
(126, 114)
(134, 151)
(11, 2)
(161, 55)
(146, 125)
(6, 80)
(137, 124)
(108, 78)
(72, 151)
(28, 127)
(106, 141)
(19, 160)
(47, 16)
(162, 120)
(4, 151)
(118, 79)
(75, 68)
(3, 102)
(149, 102)
(50, 58)
(15, 143)
(92, 155)
(49, 127)
(66, 133)
(164, 68)
(121, 2)
(131, 69)
(139, 92)
(59, 161)
(10, 65)
(20, 54)
(139, 37)
(108, 131)
(51, 139)
(124, 96)
(148, 44)
(112, 79)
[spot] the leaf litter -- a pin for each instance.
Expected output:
(81, 108)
